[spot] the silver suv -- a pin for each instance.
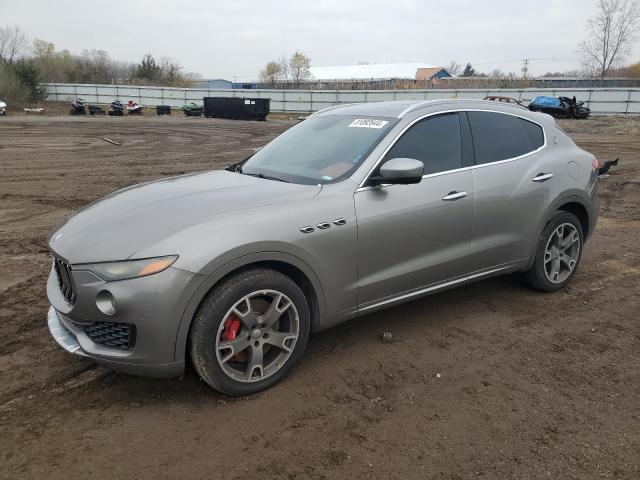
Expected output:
(357, 208)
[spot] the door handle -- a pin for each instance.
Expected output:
(454, 196)
(542, 177)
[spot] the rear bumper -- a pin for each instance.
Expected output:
(64, 333)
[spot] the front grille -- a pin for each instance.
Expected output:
(65, 280)
(121, 336)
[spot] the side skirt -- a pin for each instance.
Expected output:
(422, 292)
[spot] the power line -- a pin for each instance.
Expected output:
(498, 62)
(526, 62)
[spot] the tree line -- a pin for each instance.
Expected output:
(24, 65)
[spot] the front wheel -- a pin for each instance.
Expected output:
(249, 332)
(558, 253)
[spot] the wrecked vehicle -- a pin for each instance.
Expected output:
(561, 107)
(116, 109)
(191, 109)
(133, 108)
(77, 107)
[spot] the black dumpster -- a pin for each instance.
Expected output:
(163, 110)
(236, 108)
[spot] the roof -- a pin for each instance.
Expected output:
(367, 72)
(428, 73)
(209, 81)
(401, 108)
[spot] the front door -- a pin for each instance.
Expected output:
(414, 236)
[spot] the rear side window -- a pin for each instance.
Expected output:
(435, 141)
(534, 132)
(498, 136)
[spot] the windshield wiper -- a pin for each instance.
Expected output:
(262, 175)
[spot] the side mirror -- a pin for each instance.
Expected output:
(399, 171)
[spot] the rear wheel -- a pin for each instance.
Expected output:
(558, 253)
(249, 332)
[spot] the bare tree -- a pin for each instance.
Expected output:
(284, 67)
(611, 34)
(12, 43)
(454, 68)
(299, 67)
(171, 72)
(271, 73)
(43, 49)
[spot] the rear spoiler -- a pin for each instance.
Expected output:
(604, 168)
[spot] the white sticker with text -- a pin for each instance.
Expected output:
(368, 123)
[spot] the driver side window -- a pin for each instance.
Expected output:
(435, 141)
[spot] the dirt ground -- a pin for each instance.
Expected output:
(492, 380)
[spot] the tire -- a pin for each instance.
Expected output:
(541, 275)
(247, 297)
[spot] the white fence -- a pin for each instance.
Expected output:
(600, 100)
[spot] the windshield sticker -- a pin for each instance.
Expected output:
(327, 178)
(367, 123)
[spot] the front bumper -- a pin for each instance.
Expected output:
(62, 334)
(152, 306)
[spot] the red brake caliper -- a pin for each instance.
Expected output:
(230, 332)
(231, 328)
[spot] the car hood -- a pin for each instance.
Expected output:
(118, 225)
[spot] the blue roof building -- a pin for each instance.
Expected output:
(215, 83)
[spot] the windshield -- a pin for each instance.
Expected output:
(319, 149)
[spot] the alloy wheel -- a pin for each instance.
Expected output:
(562, 252)
(257, 335)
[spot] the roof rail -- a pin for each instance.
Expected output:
(413, 107)
(422, 103)
(332, 107)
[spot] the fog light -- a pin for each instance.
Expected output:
(105, 302)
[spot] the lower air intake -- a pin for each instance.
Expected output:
(121, 336)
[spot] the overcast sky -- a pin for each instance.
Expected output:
(233, 39)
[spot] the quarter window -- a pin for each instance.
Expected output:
(498, 136)
(534, 132)
(435, 141)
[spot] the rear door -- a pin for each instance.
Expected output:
(413, 236)
(513, 175)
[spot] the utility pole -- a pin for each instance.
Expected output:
(525, 67)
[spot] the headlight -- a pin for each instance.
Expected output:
(110, 271)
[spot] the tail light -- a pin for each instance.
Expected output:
(595, 165)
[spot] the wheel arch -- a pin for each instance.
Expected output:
(574, 204)
(580, 211)
(293, 267)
